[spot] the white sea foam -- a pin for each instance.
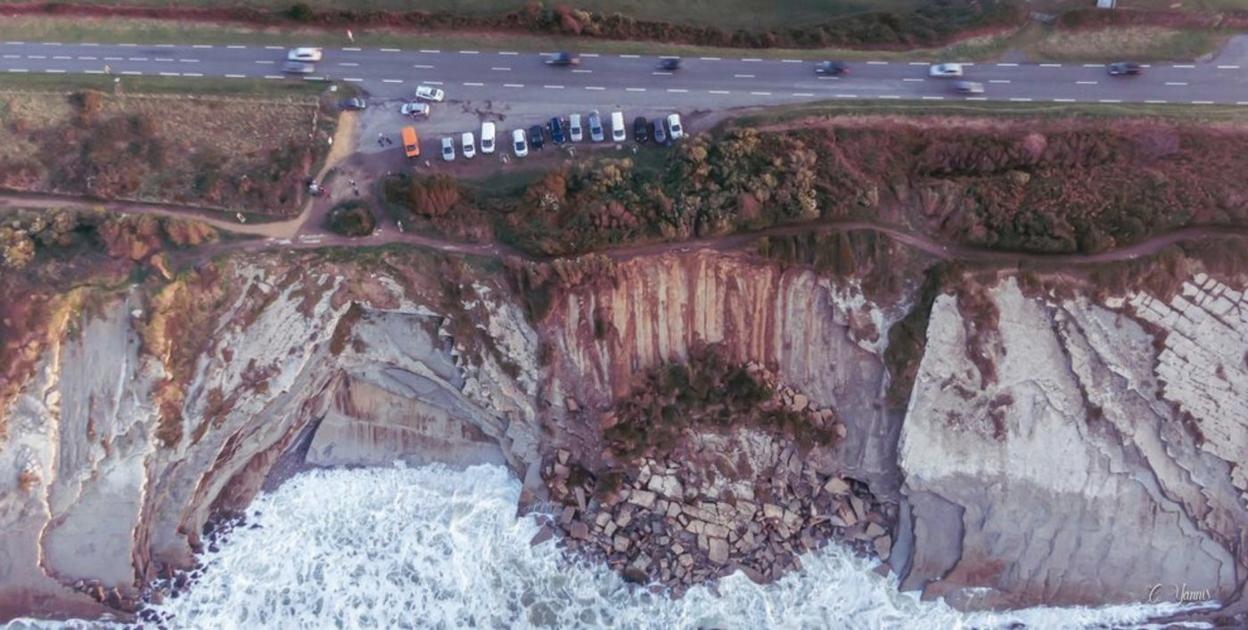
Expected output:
(435, 547)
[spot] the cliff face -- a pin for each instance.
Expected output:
(107, 486)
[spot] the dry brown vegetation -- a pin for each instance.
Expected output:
(238, 154)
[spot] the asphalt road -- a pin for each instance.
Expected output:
(630, 81)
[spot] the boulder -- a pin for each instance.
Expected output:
(718, 551)
(642, 498)
(836, 486)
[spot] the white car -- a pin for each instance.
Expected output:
(945, 70)
(469, 145)
(487, 137)
(618, 132)
(575, 132)
(414, 109)
(448, 149)
(519, 143)
(303, 54)
(674, 130)
(430, 93)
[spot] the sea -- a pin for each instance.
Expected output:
(437, 547)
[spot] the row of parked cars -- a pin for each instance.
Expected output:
(558, 131)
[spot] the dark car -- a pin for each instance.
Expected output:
(660, 134)
(1124, 68)
(563, 59)
(354, 103)
(669, 63)
(831, 68)
(641, 130)
(556, 131)
(537, 136)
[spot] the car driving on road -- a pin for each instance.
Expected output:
(1124, 68)
(468, 144)
(518, 143)
(563, 59)
(298, 67)
(969, 87)
(448, 149)
(536, 137)
(942, 70)
(669, 64)
(414, 109)
(831, 68)
(595, 127)
(303, 54)
(487, 137)
(574, 128)
(430, 93)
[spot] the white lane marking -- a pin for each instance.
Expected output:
(128, 45)
(1109, 100)
(52, 71)
(131, 72)
(265, 61)
(62, 57)
(709, 58)
(750, 59)
(1176, 83)
(86, 59)
(790, 61)
(433, 51)
(164, 45)
(1228, 67)
(1050, 65)
(1085, 82)
(634, 89)
(846, 96)
(350, 64)
(912, 80)
(513, 85)
(802, 94)
(274, 76)
(1202, 102)
(582, 71)
(94, 71)
(1241, 102)
(240, 47)
(201, 46)
(891, 97)
(1155, 101)
(1020, 99)
(918, 63)
(18, 70)
(389, 49)
(630, 56)
(434, 82)
(668, 57)
(677, 90)
(589, 54)
(661, 74)
(423, 66)
(743, 76)
(1094, 65)
(501, 69)
(1063, 100)
(718, 92)
(760, 93)
(1008, 65)
(165, 59)
(36, 56)
(88, 44)
(392, 80)
(236, 76)
(508, 52)
(12, 56)
(51, 43)
(553, 87)
(188, 61)
(877, 63)
(976, 98)
(594, 87)
(352, 49)
(469, 52)
(473, 84)
(192, 74)
(998, 80)
(273, 48)
(932, 98)
(353, 80)
(170, 74)
(15, 43)
(1187, 66)
(113, 58)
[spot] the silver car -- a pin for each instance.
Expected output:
(595, 127)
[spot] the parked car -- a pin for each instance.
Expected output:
(574, 128)
(660, 134)
(487, 138)
(831, 68)
(595, 127)
(537, 137)
(303, 54)
(618, 134)
(1124, 68)
(674, 130)
(969, 87)
(298, 67)
(641, 130)
(430, 93)
(411, 142)
(448, 149)
(563, 59)
(354, 103)
(944, 70)
(414, 109)
(669, 64)
(556, 131)
(518, 143)
(468, 144)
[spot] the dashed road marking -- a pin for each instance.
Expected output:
(114, 58)
(589, 54)
(760, 93)
(192, 74)
(790, 61)
(998, 80)
(188, 61)
(54, 71)
(265, 62)
(274, 76)
(469, 52)
(891, 97)
(12, 56)
(1085, 82)
(1050, 65)
(170, 74)
(1155, 101)
(750, 59)
(389, 49)
(434, 82)
(501, 69)
(1176, 83)
(877, 63)
(36, 56)
(236, 76)
(241, 47)
(353, 80)
(474, 84)
(348, 64)
(802, 94)
(709, 58)
(1228, 67)
(1094, 65)
(553, 87)
(912, 80)
(432, 51)
(62, 57)
(89, 44)
(273, 48)
(1202, 102)
(128, 45)
(94, 71)
(1007, 65)
(508, 52)
(1020, 99)
(661, 74)
(743, 76)
(18, 70)
(846, 95)
(630, 56)
(932, 98)
(634, 89)
(132, 72)
(976, 98)
(718, 92)
(1063, 100)
(201, 46)
(422, 66)
(513, 85)
(594, 87)
(1186, 66)
(392, 80)
(918, 63)
(164, 45)
(86, 59)
(677, 90)
(582, 71)
(1109, 100)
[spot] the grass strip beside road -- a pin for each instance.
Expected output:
(1004, 109)
(204, 86)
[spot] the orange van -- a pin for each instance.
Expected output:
(411, 144)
